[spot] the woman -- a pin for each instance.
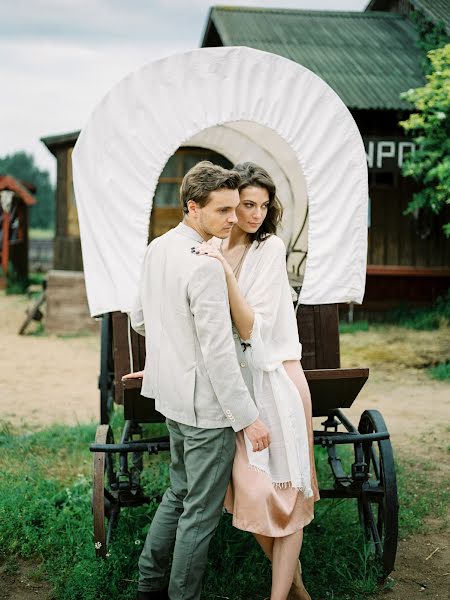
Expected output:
(275, 498)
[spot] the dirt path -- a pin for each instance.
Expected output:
(48, 379)
(422, 568)
(45, 379)
(22, 580)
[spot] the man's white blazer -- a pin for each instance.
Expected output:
(191, 367)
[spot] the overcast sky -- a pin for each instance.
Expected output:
(58, 58)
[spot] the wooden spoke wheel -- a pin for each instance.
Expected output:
(105, 503)
(106, 377)
(378, 502)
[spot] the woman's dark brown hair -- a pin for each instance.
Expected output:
(254, 176)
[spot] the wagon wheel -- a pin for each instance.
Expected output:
(378, 503)
(105, 503)
(106, 378)
(34, 312)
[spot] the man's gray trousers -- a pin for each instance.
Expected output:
(200, 469)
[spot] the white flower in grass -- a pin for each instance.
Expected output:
(98, 545)
(137, 542)
(108, 554)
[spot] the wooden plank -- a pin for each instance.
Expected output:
(334, 374)
(326, 328)
(135, 348)
(330, 389)
(305, 325)
(140, 408)
(334, 388)
(420, 250)
(406, 226)
(318, 328)
(310, 374)
(329, 394)
(392, 226)
(376, 231)
(408, 271)
(61, 199)
(121, 356)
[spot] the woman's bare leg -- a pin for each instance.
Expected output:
(283, 552)
(266, 544)
(286, 551)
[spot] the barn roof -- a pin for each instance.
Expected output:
(10, 183)
(436, 11)
(367, 58)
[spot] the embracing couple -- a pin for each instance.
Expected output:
(223, 365)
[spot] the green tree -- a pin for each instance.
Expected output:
(21, 165)
(431, 36)
(429, 125)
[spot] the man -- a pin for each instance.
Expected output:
(192, 372)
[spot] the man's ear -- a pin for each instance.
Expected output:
(192, 208)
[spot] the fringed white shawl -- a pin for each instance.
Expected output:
(264, 282)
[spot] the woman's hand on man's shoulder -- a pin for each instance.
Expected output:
(208, 250)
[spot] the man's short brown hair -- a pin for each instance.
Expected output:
(204, 178)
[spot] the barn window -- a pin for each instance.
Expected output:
(166, 212)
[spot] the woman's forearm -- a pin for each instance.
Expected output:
(241, 313)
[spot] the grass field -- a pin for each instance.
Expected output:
(45, 515)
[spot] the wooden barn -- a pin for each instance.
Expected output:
(368, 58)
(15, 200)
(409, 257)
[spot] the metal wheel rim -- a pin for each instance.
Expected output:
(105, 507)
(381, 525)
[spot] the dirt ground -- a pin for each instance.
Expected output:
(45, 379)
(49, 379)
(22, 581)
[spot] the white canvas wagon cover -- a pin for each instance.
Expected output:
(297, 121)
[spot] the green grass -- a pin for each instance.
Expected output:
(38, 331)
(16, 285)
(420, 497)
(35, 278)
(353, 327)
(78, 334)
(422, 319)
(45, 515)
(440, 372)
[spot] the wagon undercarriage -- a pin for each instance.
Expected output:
(366, 475)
